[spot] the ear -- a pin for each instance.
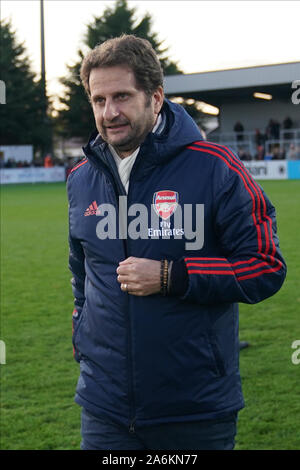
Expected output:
(158, 99)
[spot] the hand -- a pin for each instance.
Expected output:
(139, 276)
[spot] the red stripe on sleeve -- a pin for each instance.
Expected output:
(199, 271)
(261, 208)
(249, 276)
(201, 259)
(208, 265)
(246, 186)
(258, 192)
(79, 164)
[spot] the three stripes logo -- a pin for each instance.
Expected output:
(92, 209)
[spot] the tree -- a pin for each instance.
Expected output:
(23, 118)
(76, 119)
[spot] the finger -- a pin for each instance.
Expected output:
(130, 289)
(123, 270)
(122, 279)
(136, 292)
(124, 287)
(128, 270)
(129, 260)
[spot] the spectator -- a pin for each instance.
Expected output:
(276, 130)
(244, 155)
(260, 152)
(259, 137)
(2, 164)
(278, 153)
(287, 124)
(48, 163)
(239, 129)
(273, 130)
(293, 152)
(11, 163)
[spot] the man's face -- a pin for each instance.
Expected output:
(124, 115)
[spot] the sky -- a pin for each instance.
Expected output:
(200, 35)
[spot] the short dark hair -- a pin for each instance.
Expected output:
(128, 50)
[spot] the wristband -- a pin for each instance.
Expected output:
(164, 277)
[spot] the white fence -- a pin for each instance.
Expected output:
(264, 169)
(23, 153)
(274, 169)
(32, 175)
(268, 170)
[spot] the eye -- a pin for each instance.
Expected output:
(122, 96)
(98, 100)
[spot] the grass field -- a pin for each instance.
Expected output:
(39, 378)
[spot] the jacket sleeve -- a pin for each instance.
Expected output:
(77, 268)
(249, 266)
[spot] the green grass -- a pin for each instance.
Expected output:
(39, 378)
(270, 380)
(40, 375)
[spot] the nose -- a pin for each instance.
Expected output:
(111, 111)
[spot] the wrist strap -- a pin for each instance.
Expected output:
(164, 276)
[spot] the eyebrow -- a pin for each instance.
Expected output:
(117, 93)
(95, 97)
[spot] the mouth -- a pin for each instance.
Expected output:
(116, 127)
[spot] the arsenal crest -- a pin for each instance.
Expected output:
(165, 203)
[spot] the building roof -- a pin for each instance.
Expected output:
(225, 85)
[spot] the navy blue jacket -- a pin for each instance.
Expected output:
(155, 359)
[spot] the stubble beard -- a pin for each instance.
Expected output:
(137, 134)
(135, 138)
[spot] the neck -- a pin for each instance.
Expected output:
(124, 154)
(120, 154)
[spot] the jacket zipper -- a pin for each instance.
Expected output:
(132, 417)
(130, 361)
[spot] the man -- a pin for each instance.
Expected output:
(167, 233)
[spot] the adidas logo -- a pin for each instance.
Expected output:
(92, 209)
